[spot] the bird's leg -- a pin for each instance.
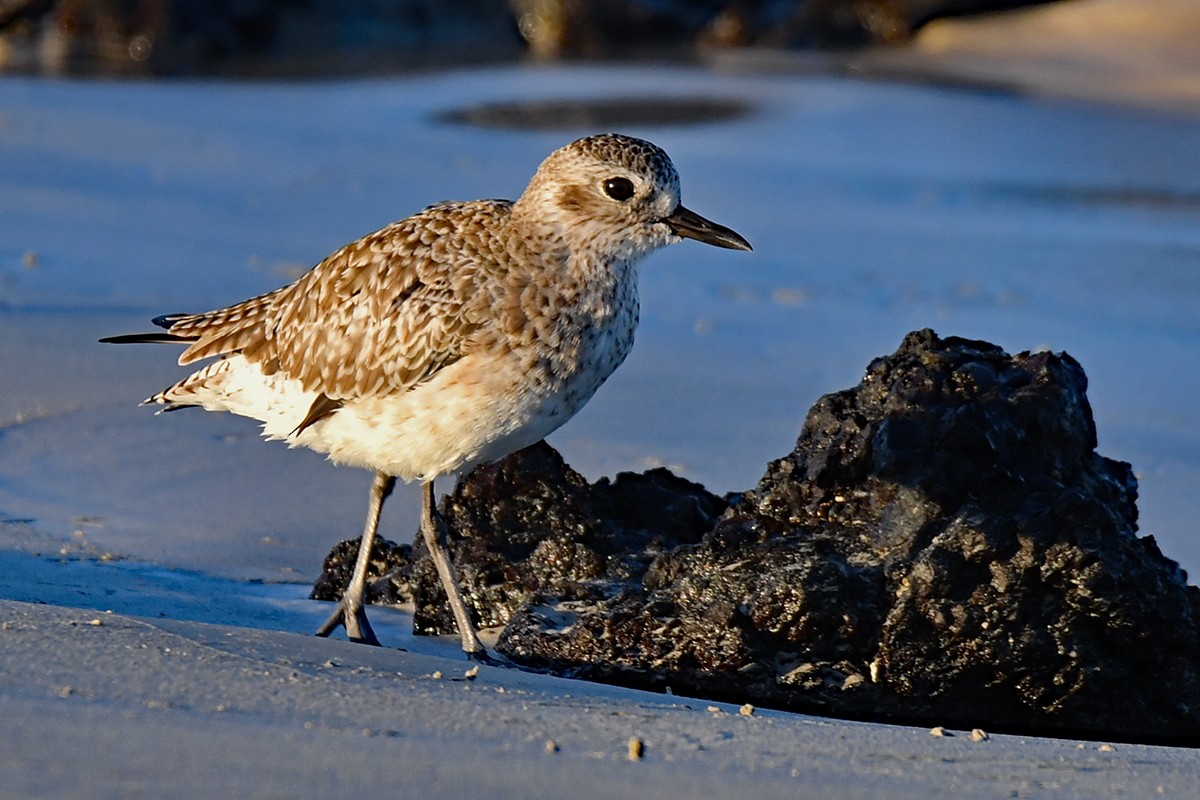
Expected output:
(351, 611)
(435, 533)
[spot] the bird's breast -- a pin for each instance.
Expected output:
(593, 330)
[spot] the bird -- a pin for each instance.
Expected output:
(448, 339)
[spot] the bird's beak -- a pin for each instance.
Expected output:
(691, 225)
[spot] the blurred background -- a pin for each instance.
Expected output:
(310, 37)
(1142, 51)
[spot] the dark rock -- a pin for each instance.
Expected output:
(531, 525)
(389, 575)
(943, 546)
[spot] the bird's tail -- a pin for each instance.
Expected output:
(164, 321)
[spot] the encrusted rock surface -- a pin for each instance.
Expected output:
(943, 546)
(389, 575)
(530, 524)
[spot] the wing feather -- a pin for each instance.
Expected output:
(380, 315)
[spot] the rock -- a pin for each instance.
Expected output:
(942, 547)
(389, 574)
(530, 525)
(943, 544)
(1015, 588)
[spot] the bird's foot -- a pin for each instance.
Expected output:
(354, 620)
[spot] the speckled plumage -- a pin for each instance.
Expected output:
(457, 335)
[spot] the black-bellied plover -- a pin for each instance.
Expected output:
(448, 339)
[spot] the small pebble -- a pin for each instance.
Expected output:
(97, 622)
(747, 710)
(979, 735)
(713, 709)
(551, 746)
(29, 259)
(472, 673)
(1106, 748)
(436, 675)
(637, 748)
(939, 732)
(65, 692)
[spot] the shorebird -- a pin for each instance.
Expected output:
(448, 339)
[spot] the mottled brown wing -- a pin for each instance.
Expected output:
(380, 315)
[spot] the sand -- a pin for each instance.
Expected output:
(106, 705)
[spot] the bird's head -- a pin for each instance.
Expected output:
(619, 195)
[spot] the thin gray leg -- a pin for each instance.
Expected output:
(434, 531)
(351, 611)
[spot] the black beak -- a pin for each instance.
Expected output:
(691, 225)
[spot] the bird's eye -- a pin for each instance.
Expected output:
(618, 188)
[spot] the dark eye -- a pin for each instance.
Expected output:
(618, 188)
